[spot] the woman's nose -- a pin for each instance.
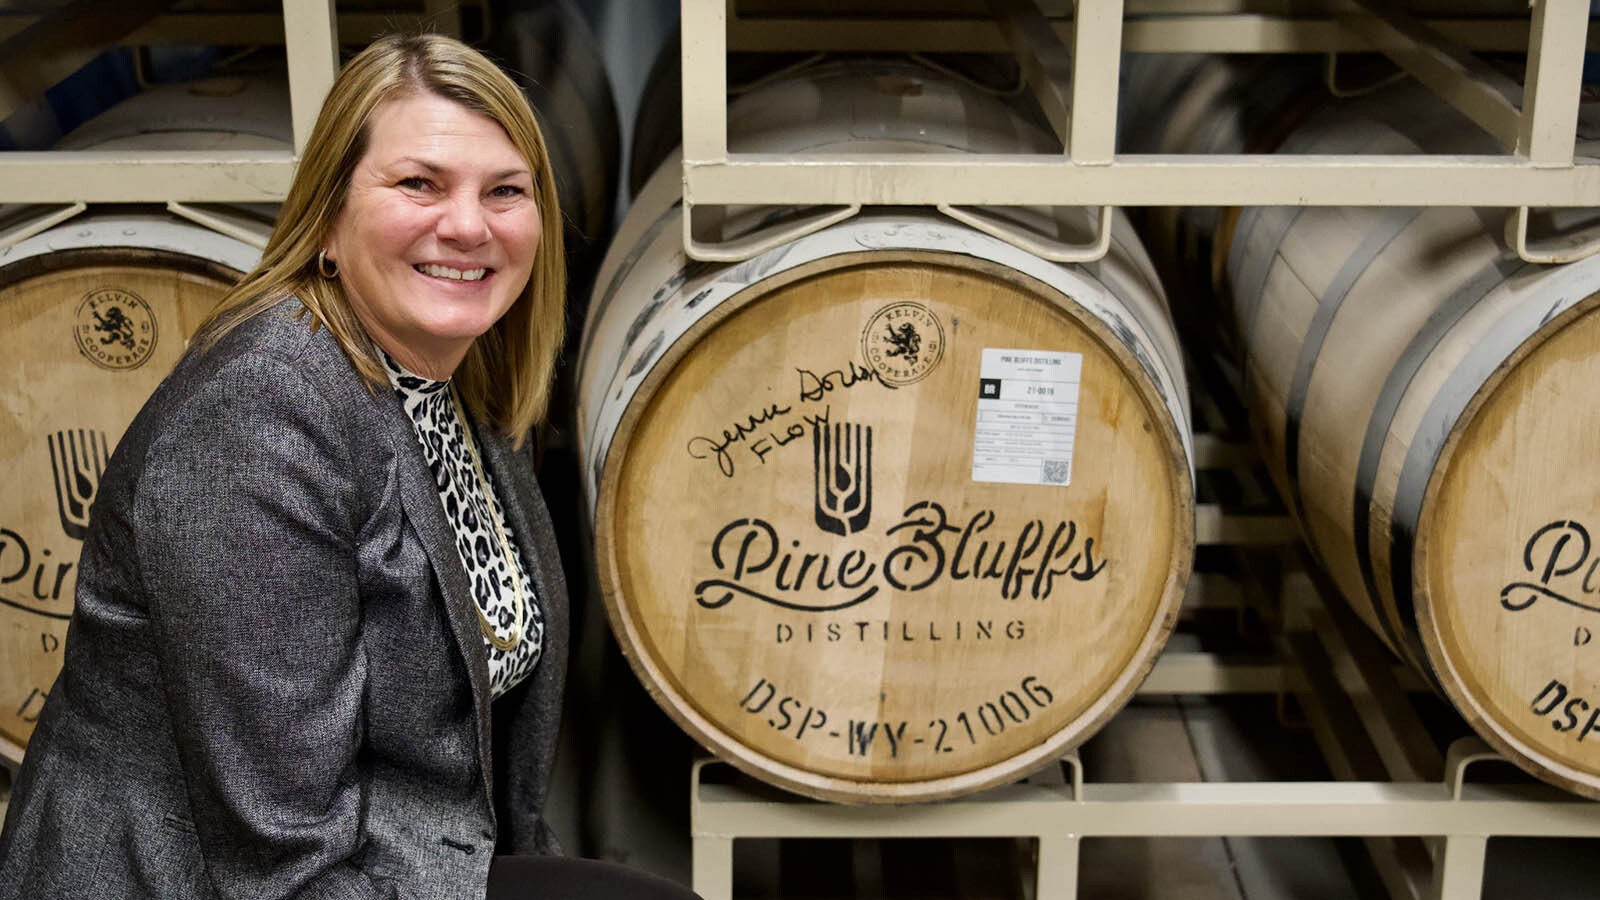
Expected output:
(464, 222)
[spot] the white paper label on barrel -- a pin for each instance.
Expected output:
(1027, 416)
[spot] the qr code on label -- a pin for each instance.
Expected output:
(1057, 471)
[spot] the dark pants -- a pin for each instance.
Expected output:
(565, 878)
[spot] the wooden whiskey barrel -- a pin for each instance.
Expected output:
(94, 311)
(894, 511)
(1208, 103)
(547, 47)
(1425, 401)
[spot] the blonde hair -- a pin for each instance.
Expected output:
(507, 376)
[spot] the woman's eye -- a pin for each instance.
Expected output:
(414, 184)
(508, 190)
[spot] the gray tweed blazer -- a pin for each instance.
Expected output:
(274, 684)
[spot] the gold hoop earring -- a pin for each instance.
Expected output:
(325, 267)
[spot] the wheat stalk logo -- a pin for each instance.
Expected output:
(78, 459)
(843, 454)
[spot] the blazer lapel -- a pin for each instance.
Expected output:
(530, 522)
(535, 536)
(420, 497)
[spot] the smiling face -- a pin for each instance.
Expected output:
(437, 236)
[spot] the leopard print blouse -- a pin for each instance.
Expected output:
(439, 429)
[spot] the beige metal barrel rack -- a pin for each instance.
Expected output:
(95, 308)
(894, 510)
(1532, 164)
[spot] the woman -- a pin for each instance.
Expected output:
(320, 631)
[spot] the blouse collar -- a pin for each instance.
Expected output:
(407, 382)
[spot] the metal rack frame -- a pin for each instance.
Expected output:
(1078, 91)
(311, 46)
(1393, 782)
(310, 36)
(1060, 810)
(1538, 170)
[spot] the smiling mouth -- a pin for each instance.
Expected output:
(452, 274)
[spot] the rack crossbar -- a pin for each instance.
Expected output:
(1165, 33)
(94, 176)
(263, 176)
(1140, 180)
(1172, 809)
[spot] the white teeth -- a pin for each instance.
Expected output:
(453, 274)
